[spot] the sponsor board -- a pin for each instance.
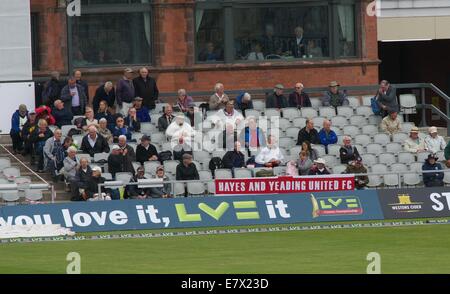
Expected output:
(412, 203)
(199, 212)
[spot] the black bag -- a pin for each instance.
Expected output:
(73, 131)
(215, 163)
(165, 155)
(264, 173)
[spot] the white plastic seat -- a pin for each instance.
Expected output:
(358, 120)
(364, 110)
(408, 103)
(223, 173)
(375, 119)
(363, 139)
(151, 166)
(137, 136)
(399, 167)
(219, 153)
(299, 122)
(366, 100)
(387, 158)
(337, 130)
(178, 189)
(345, 111)
(4, 163)
(295, 150)
(291, 113)
(399, 137)
(339, 169)
(65, 129)
(326, 111)
(374, 148)
(205, 174)
(381, 138)
(320, 149)
(286, 142)
(412, 179)
(107, 176)
(316, 102)
(416, 166)
(147, 128)
(100, 156)
(318, 121)
(292, 132)
(171, 166)
(374, 181)
(394, 147)
(201, 155)
(369, 130)
(308, 112)
(379, 168)
(10, 196)
(284, 123)
(77, 140)
(33, 195)
(440, 155)
(330, 160)
(195, 188)
(11, 173)
(391, 180)
(271, 112)
(333, 149)
(158, 137)
(125, 177)
(405, 157)
(369, 159)
(279, 170)
(259, 105)
(351, 131)
(421, 156)
(407, 126)
(353, 101)
(339, 121)
(242, 173)
(252, 112)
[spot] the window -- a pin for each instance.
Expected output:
(285, 32)
(209, 28)
(35, 41)
(250, 31)
(111, 32)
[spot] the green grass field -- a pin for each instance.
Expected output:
(417, 249)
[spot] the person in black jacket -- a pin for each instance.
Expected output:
(132, 121)
(52, 89)
(432, 179)
(298, 98)
(166, 119)
(105, 92)
(348, 152)
(145, 87)
(38, 138)
(62, 115)
(77, 75)
(308, 133)
(82, 176)
(94, 143)
(146, 151)
(277, 99)
(235, 158)
(91, 190)
(186, 170)
(118, 162)
(319, 168)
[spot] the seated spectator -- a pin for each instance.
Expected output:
(27, 130)
(234, 159)
(308, 133)
(164, 191)
(326, 135)
(391, 124)
(432, 179)
(84, 173)
(244, 102)
(228, 115)
(131, 120)
(126, 149)
(119, 161)
(256, 54)
(433, 142)
(277, 99)
(228, 138)
(105, 93)
(142, 112)
(414, 143)
(45, 112)
(93, 142)
(184, 100)
(252, 137)
(219, 99)
(166, 119)
(90, 193)
(333, 97)
(313, 50)
(270, 155)
(304, 163)
(121, 129)
(89, 119)
(70, 166)
(310, 152)
(38, 138)
(186, 170)
(133, 191)
(210, 53)
(63, 116)
(67, 142)
(104, 131)
(103, 112)
(319, 168)
(299, 98)
(54, 154)
(179, 128)
(348, 152)
(386, 98)
(146, 151)
(356, 167)
(18, 120)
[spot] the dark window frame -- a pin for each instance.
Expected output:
(333, 21)
(36, 60)
(130, 7)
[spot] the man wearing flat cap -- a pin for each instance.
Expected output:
(277, 99)
(333, 97)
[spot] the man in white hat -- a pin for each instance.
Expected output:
(319, 168)
(434, 142)
(414, 143)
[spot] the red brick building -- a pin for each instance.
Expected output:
(194, 44)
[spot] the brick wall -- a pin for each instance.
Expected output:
(174, 65)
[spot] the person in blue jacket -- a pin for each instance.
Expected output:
(244, 102)
(432, 179)
(19, 118)
(327, 135)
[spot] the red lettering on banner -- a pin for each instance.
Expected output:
(285, 184)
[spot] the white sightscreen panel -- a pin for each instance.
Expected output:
(12, 95)
(15, 41)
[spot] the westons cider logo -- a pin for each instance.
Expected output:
(405, 204)
(332, 206)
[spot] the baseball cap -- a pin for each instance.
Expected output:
(432, 130)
